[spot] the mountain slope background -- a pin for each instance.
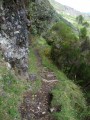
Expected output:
(70, 15)
(68, 12)
(66, 9)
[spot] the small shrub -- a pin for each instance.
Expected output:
(47, 52)
(80, 19)
(83, 33)
(86, 24)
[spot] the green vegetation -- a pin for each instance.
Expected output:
(67, 95)
(34, 70)
(62, 52)
(10, 95)
(33, 62)
(83, 27)
(68, 52)
(85, 24)
(71, 55)
(71, 99)
(83, 33)
(12, 88)
(60, 32)
(80, 19)
(42, 15)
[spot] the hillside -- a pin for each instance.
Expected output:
(44, 63)
(68, 12)
(70, 15)
(66, 9)
(62, 9)
(41, 14)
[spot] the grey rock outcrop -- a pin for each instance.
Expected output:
(14, 34)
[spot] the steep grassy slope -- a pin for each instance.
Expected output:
(67, 95)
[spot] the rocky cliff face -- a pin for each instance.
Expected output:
(14, 33)
(14, 28)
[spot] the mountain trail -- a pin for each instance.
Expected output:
(37, 106)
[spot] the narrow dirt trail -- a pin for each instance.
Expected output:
(46, 74)
(37, 106)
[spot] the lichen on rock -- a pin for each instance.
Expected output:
(14, 33)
